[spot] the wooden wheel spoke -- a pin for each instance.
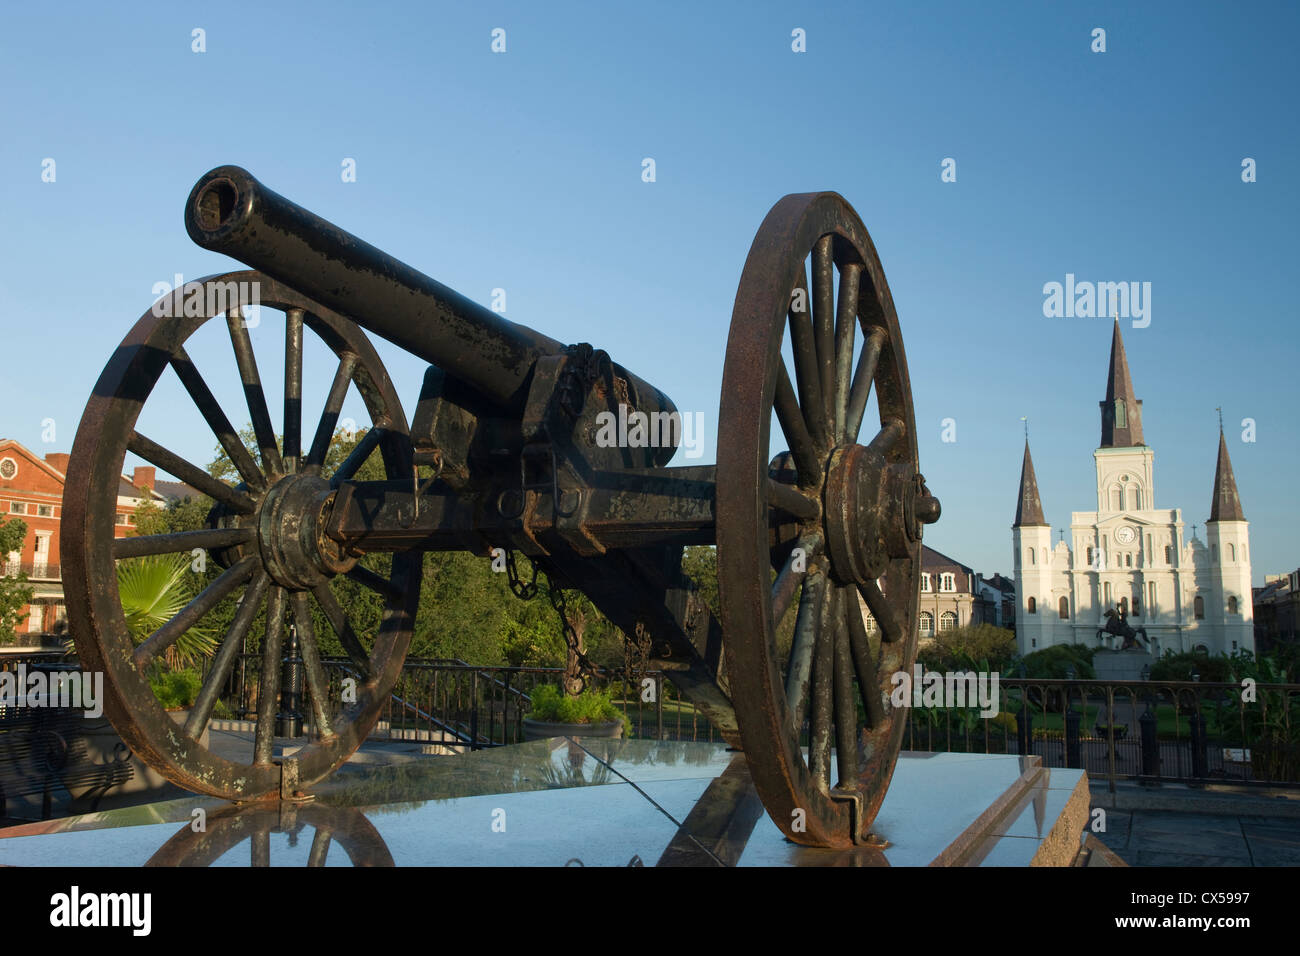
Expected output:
(799, 669)
(864, 663)
(192, 475)
(806, 461)
(375, 582)
(253, 394)
(178, 541)
(202, 396)
(792, 574)
(268, 690)
(823, 691)
(786, 498)
(883, 611)
(320, 847)
(846, 706)
(293, 389)
(804, 347)
(862, 379)
(329, 417)
(226, 655)
(890, 432)
(342, 628)
(357, 457)
(193, 612)
(823, 295)
(318, 687)
(846, 322)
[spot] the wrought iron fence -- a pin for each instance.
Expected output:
(1150, 731)
(460, 705)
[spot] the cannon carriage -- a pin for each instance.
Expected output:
(505, 450)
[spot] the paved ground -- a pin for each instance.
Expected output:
(1215, 830)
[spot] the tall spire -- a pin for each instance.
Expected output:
(1121, 412)
(1226, 505)
(1029, 509)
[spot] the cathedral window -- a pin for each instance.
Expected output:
(1090, 557)
(1123, 606)
(1232, 605)
(1033, 606)
(1116, 498)
(1232, 552)
(927, 624)
(1137, 604)
(1063, 608)
(1135, 496)
(1033, 558)
(1151, 597)
(1214, 552)
(947, 621)
(1169, 555)
(1128, 560)
(1198, 608)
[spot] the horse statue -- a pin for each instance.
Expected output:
(1117, 626)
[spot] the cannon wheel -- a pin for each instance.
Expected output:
(254, 533)
(817, 526)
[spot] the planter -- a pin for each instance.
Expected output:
(544, 729)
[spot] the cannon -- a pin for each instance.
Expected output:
(508, 451)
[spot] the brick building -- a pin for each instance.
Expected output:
(31, 490)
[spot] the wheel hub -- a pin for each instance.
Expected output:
(874, 512)
(295, 551)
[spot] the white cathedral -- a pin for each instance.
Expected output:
(1128, 555)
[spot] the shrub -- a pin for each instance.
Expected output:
(176, 690)
(1181, 666)
(1051, 662)
(589, 707)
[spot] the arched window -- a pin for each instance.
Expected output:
(1123, 606)
(1214, 552)
(1033, 556)
(870, 622)
(1033, 606)
(1169, 555)
(1198, 608)
(1128, 560)
(1135, 497)
(1116, 498)
(927, 624)
(1064, 608)
(1232, 605)
(947, 621)
(1232, 552)
(925, 580)
(1137, 603)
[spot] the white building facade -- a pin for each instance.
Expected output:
(1130, 556)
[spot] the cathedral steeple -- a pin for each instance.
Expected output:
(1226, 505)
(1029, 509)
(1121, 412)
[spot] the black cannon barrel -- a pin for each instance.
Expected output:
(229, 211)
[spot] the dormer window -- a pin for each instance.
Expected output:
(947, 582)
(925, 580)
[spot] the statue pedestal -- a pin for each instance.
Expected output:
(1121, 665)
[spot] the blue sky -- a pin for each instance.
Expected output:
(522, 171)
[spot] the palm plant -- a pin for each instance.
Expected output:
(153, 590)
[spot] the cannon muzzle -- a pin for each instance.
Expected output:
(229, 211)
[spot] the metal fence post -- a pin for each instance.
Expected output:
(1072, 719)
(1199, 742)
(1150, 745)
(1025, 725)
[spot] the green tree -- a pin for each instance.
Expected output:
(15, 593)
(153, 590)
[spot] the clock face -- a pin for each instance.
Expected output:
(1125, 535)
(7, 468)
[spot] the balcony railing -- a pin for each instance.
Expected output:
(34, 572)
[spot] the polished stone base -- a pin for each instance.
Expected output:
(583, 801)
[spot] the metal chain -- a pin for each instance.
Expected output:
(525, 592)
(585, 664)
